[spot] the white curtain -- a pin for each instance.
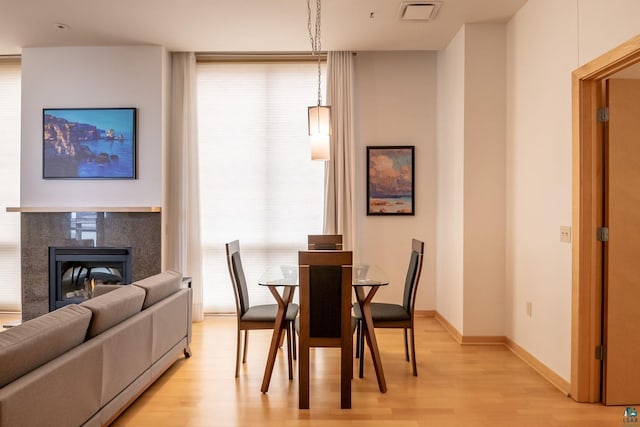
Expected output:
(182, 207)
(10, 81)
(340, 169)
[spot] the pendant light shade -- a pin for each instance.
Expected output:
(319, 147)
(320, 120)
(319, 131)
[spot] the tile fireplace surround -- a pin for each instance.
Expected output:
(138, 228)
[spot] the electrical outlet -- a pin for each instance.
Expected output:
(529, 309)
(565, 233)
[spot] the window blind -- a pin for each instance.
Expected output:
(258, 184)
(10, 191)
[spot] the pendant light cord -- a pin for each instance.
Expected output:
(314, 37)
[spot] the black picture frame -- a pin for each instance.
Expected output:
(391, 180)
(89, 143)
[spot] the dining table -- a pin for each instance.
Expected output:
(274, 278)
(282, 281)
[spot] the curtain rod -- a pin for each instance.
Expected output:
(258, 56)
(10, 59)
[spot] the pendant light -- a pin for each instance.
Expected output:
(319, 116)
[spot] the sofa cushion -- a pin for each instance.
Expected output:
(159, 286)
(104, 289)
(112, 308)
(30, 345)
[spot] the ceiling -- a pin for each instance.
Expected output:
(238, 25)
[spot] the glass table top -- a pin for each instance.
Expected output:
(287, 275)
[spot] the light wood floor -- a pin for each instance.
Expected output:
(457, 386)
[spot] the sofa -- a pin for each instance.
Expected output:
(83, 364)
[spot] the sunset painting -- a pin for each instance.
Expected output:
(390, 180)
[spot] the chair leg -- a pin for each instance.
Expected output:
(358, 349)
(346, 374)
(294, 344)
(244, 351)
(238, 348)
(303, 375)
(289, 352)
(361, 336)
(413, 353)
(356, 355)
(406, 344)
(361, 339)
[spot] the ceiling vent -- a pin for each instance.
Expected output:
(418, 11)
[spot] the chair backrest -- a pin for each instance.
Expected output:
(325, 315)
(324, 242)
(413, 275)
(325, 295)
(234, 262)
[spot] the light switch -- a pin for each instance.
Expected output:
(565, 233)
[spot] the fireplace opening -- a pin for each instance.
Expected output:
(75, 271)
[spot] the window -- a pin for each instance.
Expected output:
(257, 182)
(10, 191)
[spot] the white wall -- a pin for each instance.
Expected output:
(539, 179)
(471, 181)
(395, 105)
(68, 77)
(484, 179)
(547, 40)
(603, 26)
(450, 155)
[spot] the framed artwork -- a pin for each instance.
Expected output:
(89, 143)
(390, 180)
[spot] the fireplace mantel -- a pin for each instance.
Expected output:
(58, 209)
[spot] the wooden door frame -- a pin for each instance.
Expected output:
(587, 203)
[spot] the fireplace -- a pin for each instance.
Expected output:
(41, 228)
(75, 271)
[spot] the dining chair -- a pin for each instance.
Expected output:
(325, 316)
(388, 315)
(257, 316)
(331, 242)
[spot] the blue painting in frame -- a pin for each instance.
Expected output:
(89, 143)
(390, 180)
